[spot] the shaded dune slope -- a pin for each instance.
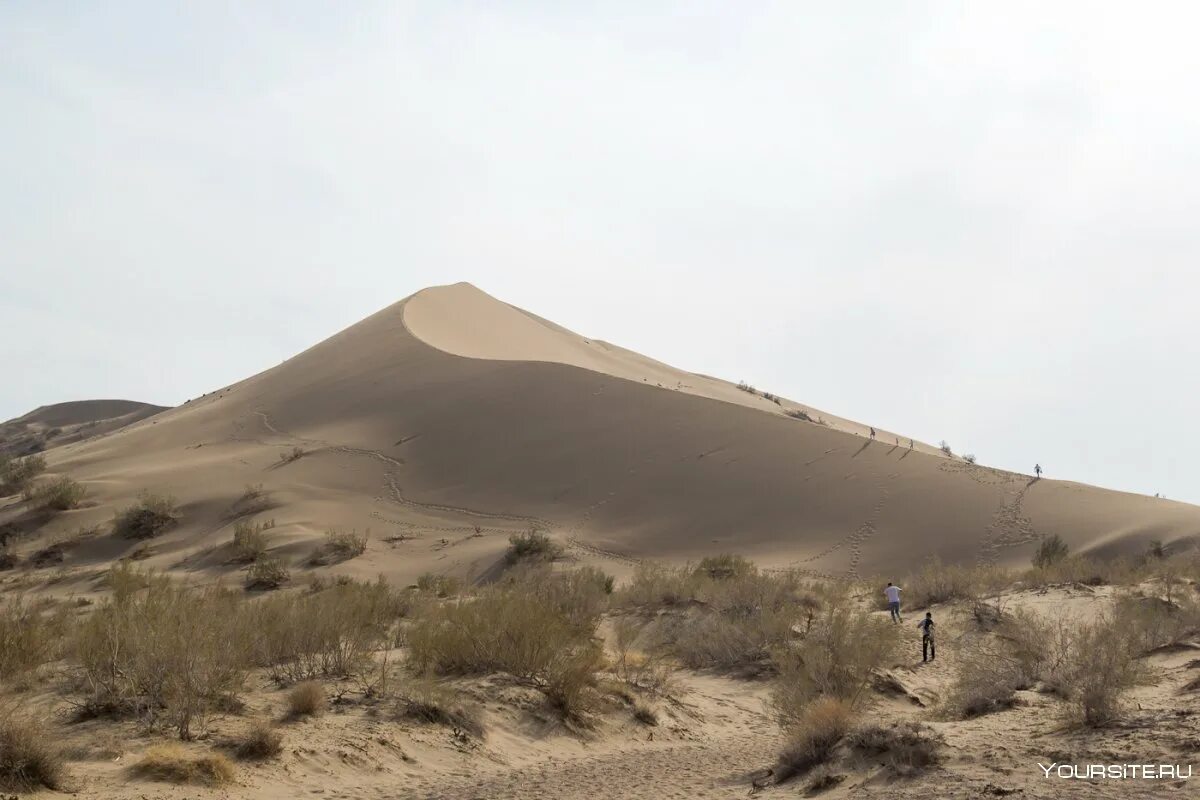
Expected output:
(490, 428)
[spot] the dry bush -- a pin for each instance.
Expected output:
(60, 494)
(540, 629)
(836, 658)
(1155, 622)
(259, 742)
(173, 763)
(645, 714)
(944, 446)
(30, 758)
(266, 574)
(150, 516)
(1051, 550)
(732, 621)
(295, 454)
(1101, 667)
(307, 699)
(985, 680)
(906, 748)
(1084, 570)
(339, 546)
(327, 633)
(532, 546)
(16, 473)
(942, 583)
(725, 567)
(427, 702)
(439, 585)
(29, 636)
(253, 500)
(172, 653)
(656, 586)
(812, 733)
(250, 541)
(645, 667)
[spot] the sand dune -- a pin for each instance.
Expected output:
(451, 410)
(50, 426)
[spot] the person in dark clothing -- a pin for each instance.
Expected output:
(1037, 468)
(928, 651)
(872, 433)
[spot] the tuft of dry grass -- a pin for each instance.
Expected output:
(906, 748)
(250, 541)
(61, 494)
(439, 585)
(29, 756)
(149, 517)
(266, 574)
(339, 546)
(259, 742)
(307, 699)
(295, 454)
(427, 702)
(173, 763)
(813, 733)
(532, 545)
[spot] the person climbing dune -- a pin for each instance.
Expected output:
(928, 651)
(893, 601)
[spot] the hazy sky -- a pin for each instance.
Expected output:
(973, 221)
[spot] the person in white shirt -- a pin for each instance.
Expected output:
(893, 596)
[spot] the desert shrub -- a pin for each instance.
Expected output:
(581, 595)
(16, 473)
(148, 517)
(30, 758)
(1084, 570)
(944, 446)
(570, 682)
(654, 586)
(836, 658)
(172, 763)
(1051, 551)
(969, 458)
(645, 714)
(724, 567)
(260, 741)
(250, 541)
(339, 546)
(295, 454)
(266, 574)
(799, 413)
(532, 545)
(985, 679)
(29, 636)
(328, 633)
(906, 748)
(1155, 622)
(812, 732)
(173, 653)
(429, 703)
(60, 494)
(439, 585)
(253, 500)
(638, 663)
(941, 583)
(307, 699)
(1101, 667)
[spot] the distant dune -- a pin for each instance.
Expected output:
(62, 423)
(451, 411)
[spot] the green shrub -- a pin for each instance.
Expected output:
(149, 517)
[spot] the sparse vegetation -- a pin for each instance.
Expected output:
(60, 494)
(812, 733)
(799, 413)
(906, 748)
(969, 458)
(307, 699)
(17, 473)
(259, 742)
(150, 516)
(295, 454)
(944, 446)
(441, 586)
(267, 574)
(426, 702)
(339, 546)
(1051, 551)
(532, 546)
(250, 541)
(30, 636)
(29, 756)
(173, 763)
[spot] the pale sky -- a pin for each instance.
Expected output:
(963, 221)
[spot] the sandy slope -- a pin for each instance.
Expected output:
(452, 410)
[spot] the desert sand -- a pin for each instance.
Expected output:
(446, 422)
